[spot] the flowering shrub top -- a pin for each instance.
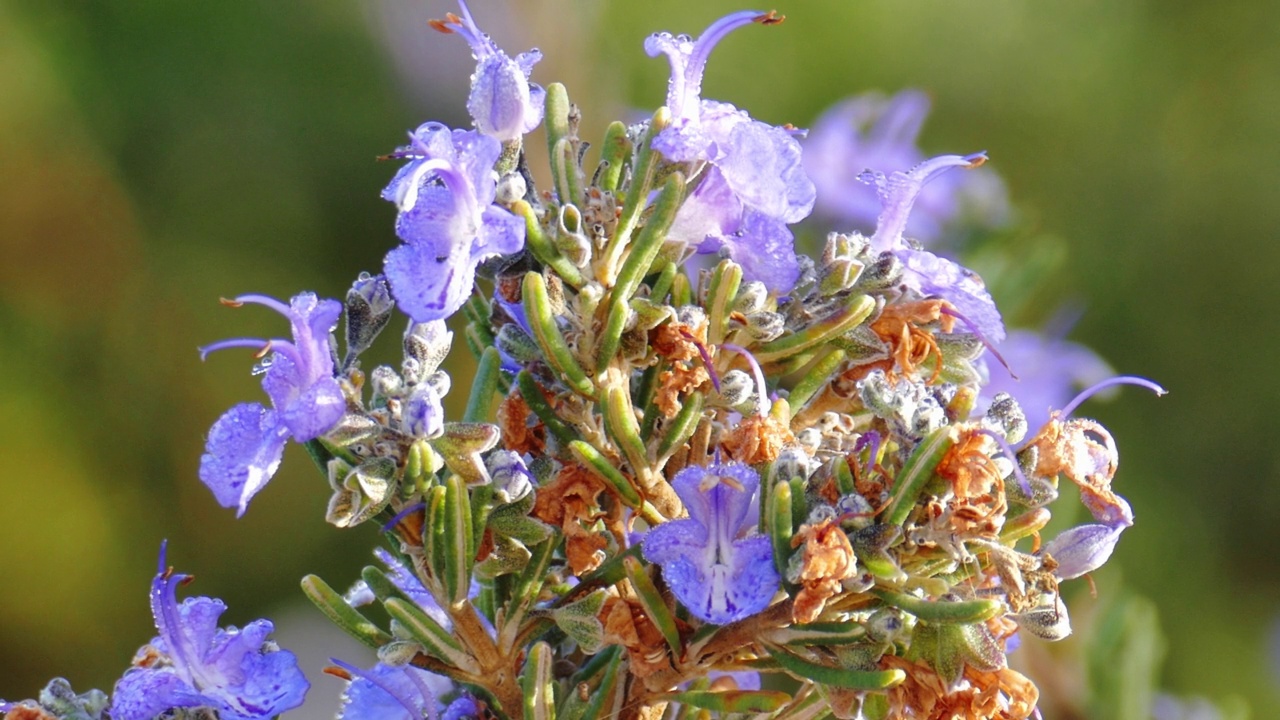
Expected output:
(780, 465)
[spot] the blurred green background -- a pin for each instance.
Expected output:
(157, 155)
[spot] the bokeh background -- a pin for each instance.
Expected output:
(156, 156)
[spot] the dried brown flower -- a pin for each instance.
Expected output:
(828, 559)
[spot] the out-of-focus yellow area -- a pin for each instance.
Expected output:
(157, 156)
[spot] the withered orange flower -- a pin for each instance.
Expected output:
(571, 502)
(828, 559)
(757, 439)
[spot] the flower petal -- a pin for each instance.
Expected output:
(242, 453)
(146, 693)
(427, 287)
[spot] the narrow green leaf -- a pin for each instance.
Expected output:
(653, 604)
(542, 247)
(640, 257)
(637, 193)
(538, 684)
(917, 472)
(613, 154)
(942, 611)
(600, 466)
(840, 677)
(726, 278)
(858, 309)
(459, 539)
(485, 386)
(681, 427)
(814, 380)
(537, 402)
(587, 688)
(434, 639)
(780, 525)
(620, 423)
(537, 306)
(343, 615)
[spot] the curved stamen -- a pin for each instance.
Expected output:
(265, 301)
(950, 310)
(762, 391)
(402, 515)
(429, 697)
(1008, 451)
(263, 347)
(1098, 387)
(706, 358)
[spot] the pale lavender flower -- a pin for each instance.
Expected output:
(926, 273)
(244, 446)
(1084, 548)
(192, 663)
(872, 131)
(1050, 371)
(447, 220)
(755, 185)
(714, 570)
(386, 692)
(503, 104)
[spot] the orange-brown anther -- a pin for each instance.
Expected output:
(757, 439)
(680, 345)
(443, 25)
(770, 18)
(570, 502)
(910, 345)
(827, 560)
(1085, 452)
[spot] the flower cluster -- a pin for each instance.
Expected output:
(667, 481)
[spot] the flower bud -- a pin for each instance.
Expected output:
(369, 306)
(423, 415)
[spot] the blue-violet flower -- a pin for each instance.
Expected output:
(715, 572)
(387, 692)
(192, 663)
(245, 444)
(754, 183)
(447, 220)
(503, 103)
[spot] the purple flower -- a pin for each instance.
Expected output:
(1050, 371)
(447, 220)
(1083, 549)
(386, 692)
(503, 103)
(871, 131)
(237, 673)
(245, 444)
(755, 184)
(924, 272)
(715, 572)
